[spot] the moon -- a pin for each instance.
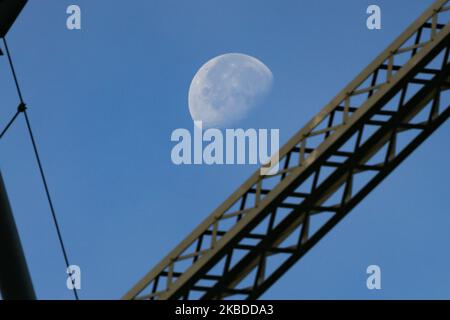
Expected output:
(226, 88)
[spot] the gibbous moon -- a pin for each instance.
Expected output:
(226, 88)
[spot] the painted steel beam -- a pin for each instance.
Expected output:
(9, 11)
(15, 280)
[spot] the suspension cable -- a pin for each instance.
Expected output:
(23, 109)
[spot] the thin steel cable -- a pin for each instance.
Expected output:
(9, 124)
(23, 109)
(19, 92)
(47, 192)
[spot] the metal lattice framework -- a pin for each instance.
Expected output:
(327, 168)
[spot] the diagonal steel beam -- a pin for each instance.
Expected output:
(9, 11)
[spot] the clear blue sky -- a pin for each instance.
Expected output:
(104, 100)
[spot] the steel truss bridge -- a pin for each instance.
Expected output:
(327, 168)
